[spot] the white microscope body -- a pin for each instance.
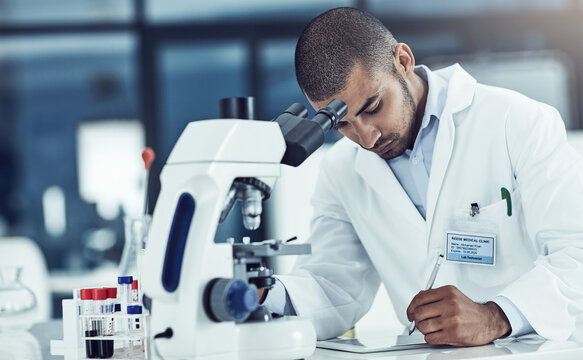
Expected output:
(191, 318)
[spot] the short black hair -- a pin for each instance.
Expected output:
(333, 43)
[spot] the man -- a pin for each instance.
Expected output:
(434, 163)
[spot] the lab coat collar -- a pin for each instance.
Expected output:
(460, 92)
(436, 94)
(374, 170)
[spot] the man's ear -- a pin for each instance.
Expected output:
(404, 59)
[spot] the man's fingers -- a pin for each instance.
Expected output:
(430, 296)
(428, 311)
(436, 338)
(430, 325)
(447, 316)
(412, 306)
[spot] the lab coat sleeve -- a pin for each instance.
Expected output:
(518, 323)
(336, 285)
(549, 176)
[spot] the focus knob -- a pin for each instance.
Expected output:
(230, 299)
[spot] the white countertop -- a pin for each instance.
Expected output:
(528, 348)
(35, 346)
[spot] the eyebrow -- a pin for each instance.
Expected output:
(369, 101)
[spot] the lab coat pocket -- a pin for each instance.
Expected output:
(513, 251)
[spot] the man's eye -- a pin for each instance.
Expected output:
(376, 109)
(340, 125)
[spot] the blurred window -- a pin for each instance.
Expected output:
(543, 76)
(278, 79)
(279, 88)
(54, 83)
(193, 78)
(432, 43)
(110, 166)
(32, 12)
(448, 8)
(237, 10)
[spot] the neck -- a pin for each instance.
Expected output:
(419, 89)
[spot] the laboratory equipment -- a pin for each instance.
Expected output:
(18, 303)
(135, 292)
(104, 312)
(124, 290)
(148, 155)
(204, 297)
(136, 239)
(136, 345)
(17, 345)
(108, 322)
(93, 328)
(88, 326)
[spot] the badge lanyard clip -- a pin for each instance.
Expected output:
(474, 210)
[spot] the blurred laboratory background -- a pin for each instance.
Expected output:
(85, 85)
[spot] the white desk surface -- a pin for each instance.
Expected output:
(536, 349)
(36, 347)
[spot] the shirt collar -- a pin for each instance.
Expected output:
(436, 94)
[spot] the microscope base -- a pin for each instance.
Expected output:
(289, 337)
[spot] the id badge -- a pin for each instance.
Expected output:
(472, 248)
(471, 239)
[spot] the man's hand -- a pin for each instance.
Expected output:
(446, 316)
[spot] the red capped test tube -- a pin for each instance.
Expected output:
(110, 309)
(100, 298)
(87, 308)
(135, 294)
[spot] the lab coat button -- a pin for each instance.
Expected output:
(415, 160)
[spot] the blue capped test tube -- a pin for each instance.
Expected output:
(124, 291)
(135, 328)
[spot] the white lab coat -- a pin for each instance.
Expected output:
(366, 229)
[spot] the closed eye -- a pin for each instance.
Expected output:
(376, 109)
(340, 125)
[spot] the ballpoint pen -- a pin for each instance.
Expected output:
(429, 285)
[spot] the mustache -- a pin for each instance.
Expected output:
(382, 141)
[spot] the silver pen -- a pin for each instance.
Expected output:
(429, 284)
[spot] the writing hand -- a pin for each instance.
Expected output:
(446, 316)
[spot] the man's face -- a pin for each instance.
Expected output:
(381, 111)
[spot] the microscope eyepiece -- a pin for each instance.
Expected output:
(328, 116)
(297, 109)
(303, 136)
(237, 108)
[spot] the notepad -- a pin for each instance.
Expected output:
(376, 343)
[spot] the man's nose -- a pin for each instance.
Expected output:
(367, 134)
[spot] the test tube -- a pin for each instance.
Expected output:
(78, 311)
(135, 293)
(124, 291)
(110, 309)
(101, 309)
(91, 350)
(134, 325)
(117, 308)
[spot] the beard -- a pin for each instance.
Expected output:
(408, 119)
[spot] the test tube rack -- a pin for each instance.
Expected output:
(127, 344)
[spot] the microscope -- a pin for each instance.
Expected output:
(204, 294)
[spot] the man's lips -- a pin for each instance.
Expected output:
(384, 148)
